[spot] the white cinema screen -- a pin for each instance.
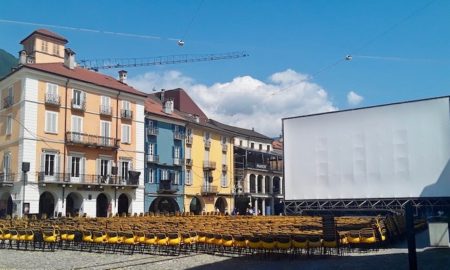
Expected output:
(392, 151)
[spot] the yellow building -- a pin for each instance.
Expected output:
(80, 132)
(209, 169)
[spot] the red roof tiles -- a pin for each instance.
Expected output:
(85, 75)
(47, 33)
(154, 106)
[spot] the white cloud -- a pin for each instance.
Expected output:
(354, 99)
(246, 101)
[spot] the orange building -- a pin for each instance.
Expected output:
(81, 132)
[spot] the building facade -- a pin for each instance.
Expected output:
(258, 172)
(164, 144)
(78, 136)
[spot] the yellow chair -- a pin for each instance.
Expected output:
(283, 243)
(299, 243)
(50, 237)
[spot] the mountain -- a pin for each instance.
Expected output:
(7, 61)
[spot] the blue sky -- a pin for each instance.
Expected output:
(400, 50)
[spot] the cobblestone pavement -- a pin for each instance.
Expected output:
(64, 259)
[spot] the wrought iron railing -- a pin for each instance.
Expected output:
(126, 114)
(91, 140)
(87, 179)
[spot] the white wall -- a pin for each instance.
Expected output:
(392, 151)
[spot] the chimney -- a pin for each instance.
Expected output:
(162, 95)
(168, 106)
(69, 58)
(123, 76)
(196, 118)
(22, 57)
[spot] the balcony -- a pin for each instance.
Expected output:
(224, 148)
(189, 162)
(105, 110)
(209, 189)
(78, 105)
(224, 167)
(152, 131)
(126, 114)
(189, 140)
(86, 179)
(52, 100)
(207, 144)
(152, 158)
(8, 102)
(177, 161)
(178, 135)
(76, 138)
(166, 186)
(209, 165)
(7, 179)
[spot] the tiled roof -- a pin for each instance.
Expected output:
(153, 105)
(85, 75)
(240, 131)
(47, 33)
(184, 103)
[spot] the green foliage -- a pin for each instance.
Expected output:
(7, 61)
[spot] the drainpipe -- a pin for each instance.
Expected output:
(65, 139)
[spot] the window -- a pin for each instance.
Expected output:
(52, 89)
(177, 178)
(125, 166)
(104, 132)
(126, 132)
(49, 163)
(189, 132)
(151, 149)
(240, 142)
(176, 151)
(126, 105)
(260, 146)
(77, 124)
(188, 177)
(206, 178)
(78, 98)
(223, 140)
(224, 180)
(51, 122)
(75, 169)
(105, 101)
(151, 175)
(7, 163)
(105, 107)
(104, 167)
(44, 46)
(268, 148)
(9, 124)
(55, 49)
(164, 175)
(252, 145)
(224, 159)
(207, 136)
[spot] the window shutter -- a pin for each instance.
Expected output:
(83, 97)
(43, 162)
(57, 164)
(97, 167)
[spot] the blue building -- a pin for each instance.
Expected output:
(164, 152)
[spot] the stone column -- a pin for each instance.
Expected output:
(263, 185)
(256, 183)
(256, 207)
(247, 183)
(263, 207)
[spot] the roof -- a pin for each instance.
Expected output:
(47, 33)
(240, 131)
(154, 105)
(184, 103)
(85, 75)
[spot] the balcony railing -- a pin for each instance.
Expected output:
(209, 189)
(153, 131)
(224, 167)
(105, 110)
(89, 140)
(8, 102)
(86, 179)
(208, 144)
(52, 99)
(209, 165)
(6, 178)
(78, 105)
(152, 158)
(177, 161)
(189, 139)
(189, 162)
(224, 148)
(178, 135)
(126, 114)
(166, 186)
